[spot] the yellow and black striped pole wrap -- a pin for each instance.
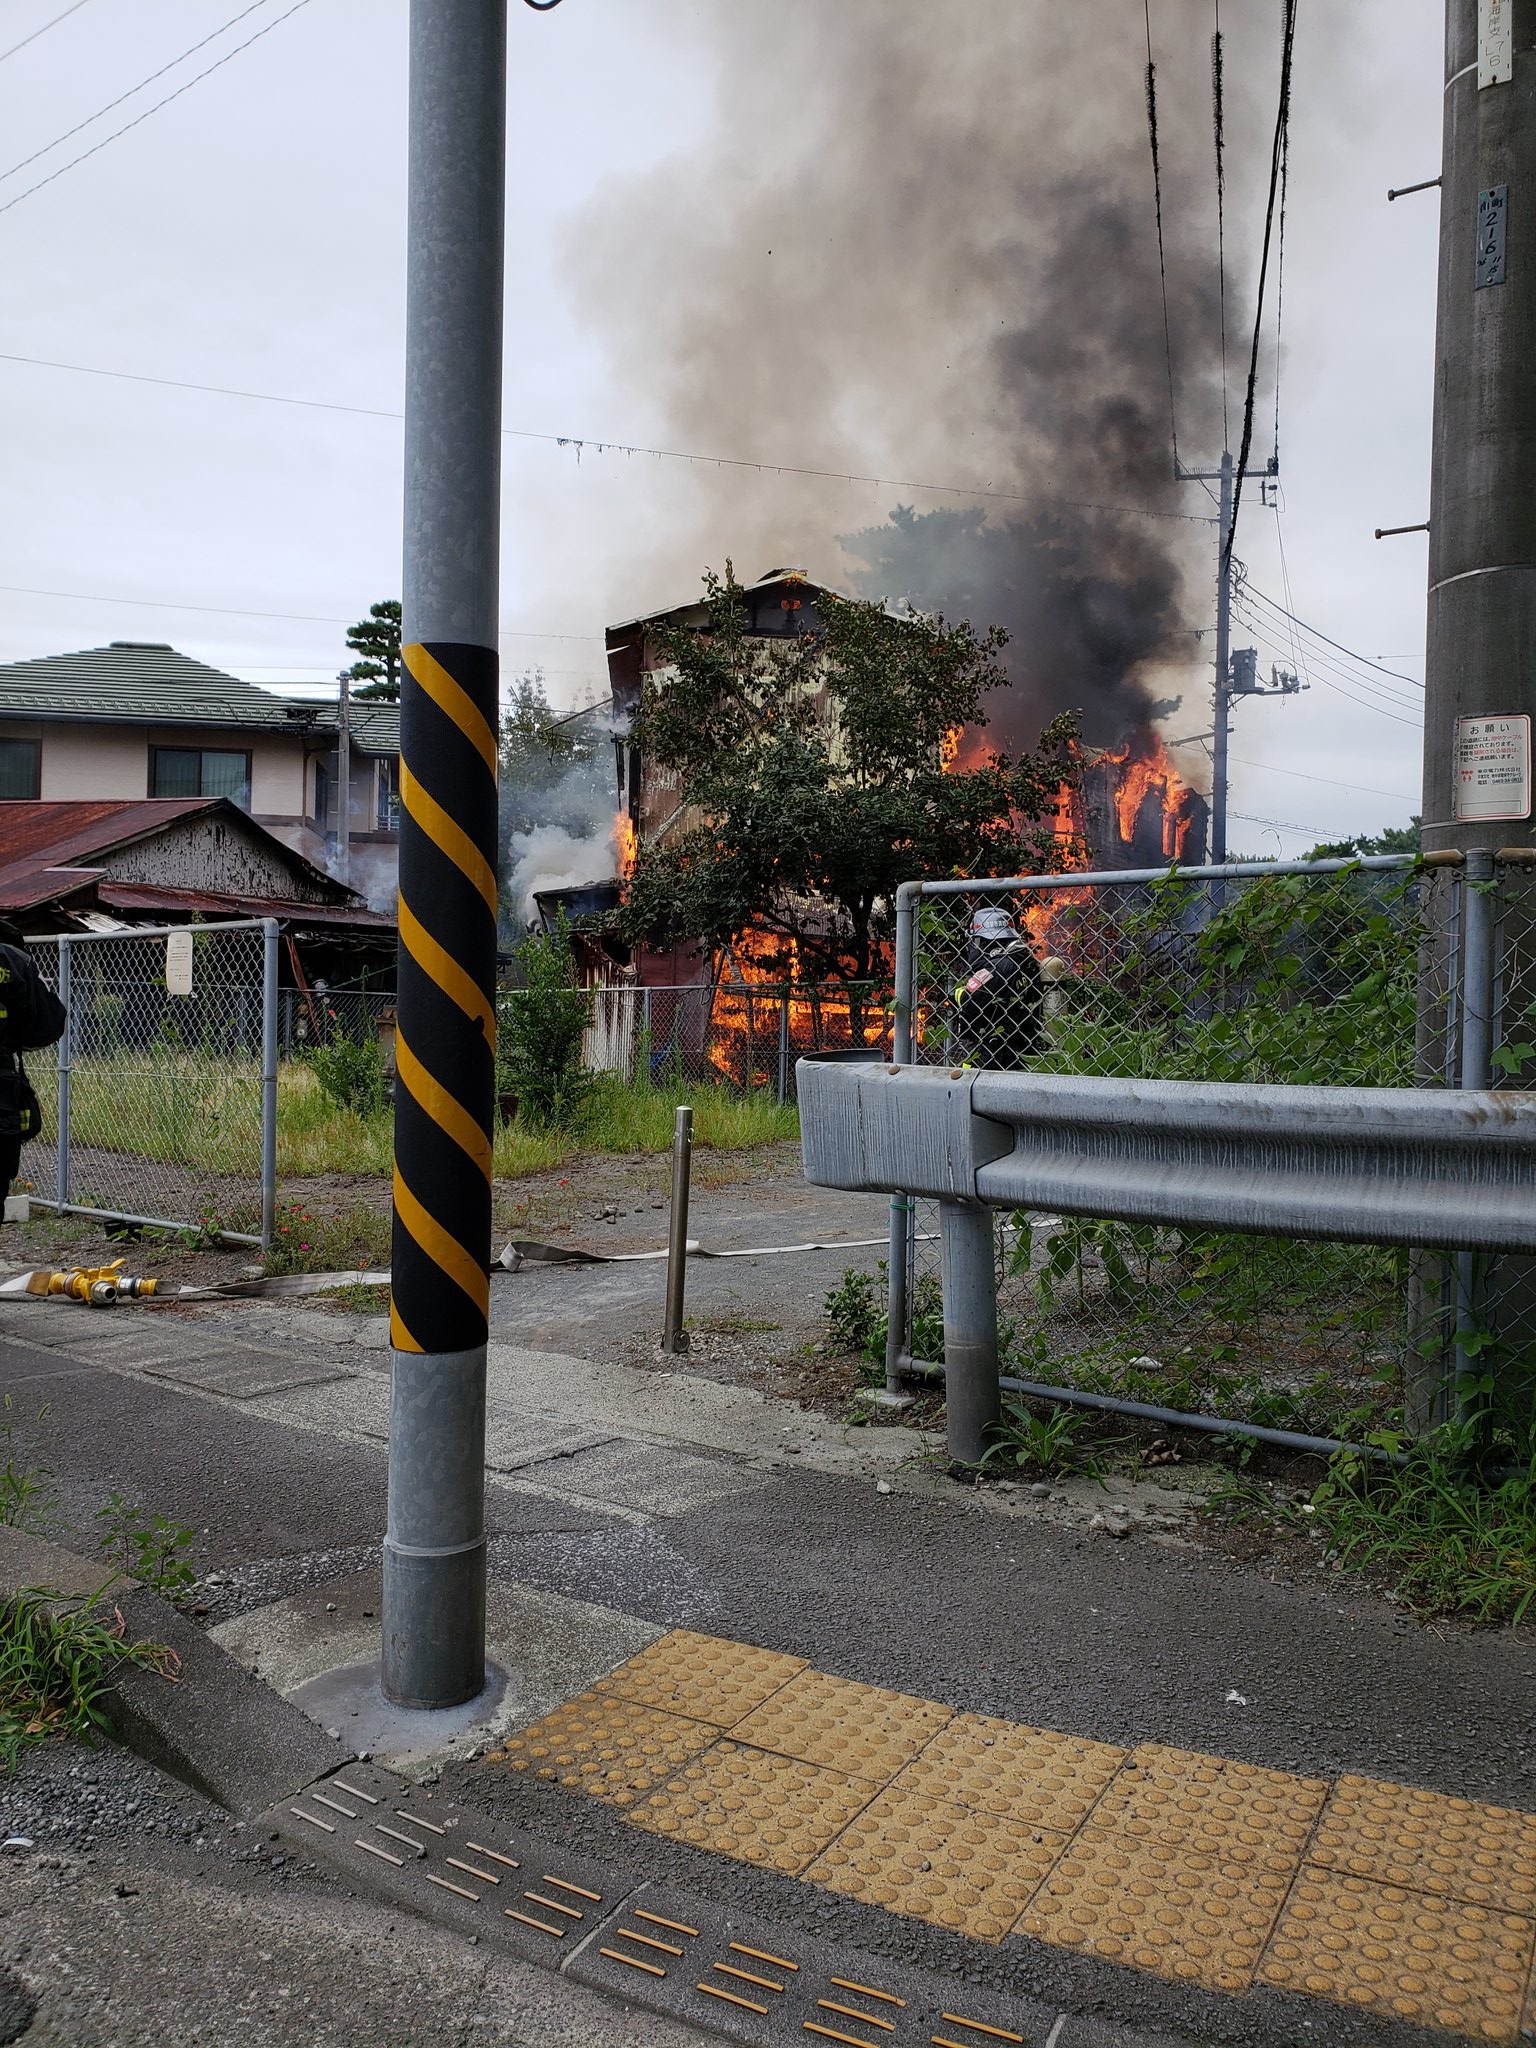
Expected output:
(446, 1043)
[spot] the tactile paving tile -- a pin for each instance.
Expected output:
(1237, 1813)
(611, 1748)
(754, 1806)
(1390, 1950)
(1031, 1775)
(972, 1872)
(1485, 1855)
(1179, 1913)
(704, 1677)
(859, 1728)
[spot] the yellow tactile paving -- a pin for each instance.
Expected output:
(1397, 1835)
(1180, 1799)
(936, 1861)
(1380, 1896)
(1183, 1915)
(1390, 1950)
(707, 1678)
(612, 1748)
(858, 1728)
(757, 1807)
(1032, 1775)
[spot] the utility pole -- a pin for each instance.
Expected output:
(1479, 677)
(1233, 679)
(434, 1549)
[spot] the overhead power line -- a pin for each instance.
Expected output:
(1304, 775)
(1219, 123)
(1413, 682)
(1277, 154)
(138, 119)
(75, 9)
(227, 611)
(128, 95)
(583, 443)
(1157, 195)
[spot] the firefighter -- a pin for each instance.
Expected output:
(31, 1016)
(1000, 1004)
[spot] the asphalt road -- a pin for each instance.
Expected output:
(928, 1590)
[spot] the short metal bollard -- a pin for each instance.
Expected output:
(674, 1337)
(970, 1328)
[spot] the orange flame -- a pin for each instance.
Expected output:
(624, 843)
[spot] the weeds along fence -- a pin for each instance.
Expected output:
(160, 1100)
(1384, 973)
(741, 1034)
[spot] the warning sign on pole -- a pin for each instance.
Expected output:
(1492, 768)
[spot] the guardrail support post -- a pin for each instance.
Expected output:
(970, 1327)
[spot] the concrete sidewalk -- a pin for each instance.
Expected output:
(661, 1501)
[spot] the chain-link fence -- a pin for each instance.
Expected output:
(741, 1034)
(160, 1100)
(1361, 974)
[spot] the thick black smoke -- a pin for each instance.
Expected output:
(922, 244)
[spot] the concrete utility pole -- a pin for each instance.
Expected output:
(344, 778)
(1480, 672)
(434, 1551)
(1240, 681)
(1480, 666)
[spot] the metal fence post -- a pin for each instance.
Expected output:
(897, 1263)
(268, 1080)
(66, 1064)
(783, 1045)
(1477, 988)
(971, 1396)
(674, 1337)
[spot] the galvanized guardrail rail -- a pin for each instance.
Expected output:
(1452, 1171)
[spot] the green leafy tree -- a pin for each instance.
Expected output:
(1396, 839)
(817, 767)
(540, 1031)
(377, 640)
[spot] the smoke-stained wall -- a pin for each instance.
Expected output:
(922, 244)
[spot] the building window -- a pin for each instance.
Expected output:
(386, 788)
(322, 796)
(20, 770)
(201, 771)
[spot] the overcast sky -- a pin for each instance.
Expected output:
(250, 235)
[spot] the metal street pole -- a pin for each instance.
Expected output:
(434, 1551)
(344, 779)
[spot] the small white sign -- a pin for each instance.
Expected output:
(1495, 42)
(1492, 768)
(178, 963)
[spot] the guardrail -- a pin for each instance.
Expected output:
(1450, 1171)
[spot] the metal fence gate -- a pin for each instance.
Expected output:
(160, 1100)
(1380, 973)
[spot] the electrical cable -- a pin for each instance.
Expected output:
(1282, 122)
(1219, 123)
(75, 9)
(582, 443)
(225, 611)
(1412, 681)
(128, 95)
(1256, 626)
(1285, 180)
(1162, 260)
(138, 119)
(1304, 775)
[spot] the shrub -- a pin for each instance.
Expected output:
(540, 1033)
(351, 1074)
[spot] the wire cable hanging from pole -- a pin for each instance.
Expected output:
(1162, 260)
(1285, 179)
(1277, 153)
(1219, 124)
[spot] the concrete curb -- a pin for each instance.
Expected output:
(217, 1728)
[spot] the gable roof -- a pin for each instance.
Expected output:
(148, 682)
(48, 850)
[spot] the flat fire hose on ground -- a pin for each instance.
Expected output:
(105, 1286)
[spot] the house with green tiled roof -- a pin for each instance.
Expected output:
(138, 719)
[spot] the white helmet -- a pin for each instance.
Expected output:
(993, 927)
